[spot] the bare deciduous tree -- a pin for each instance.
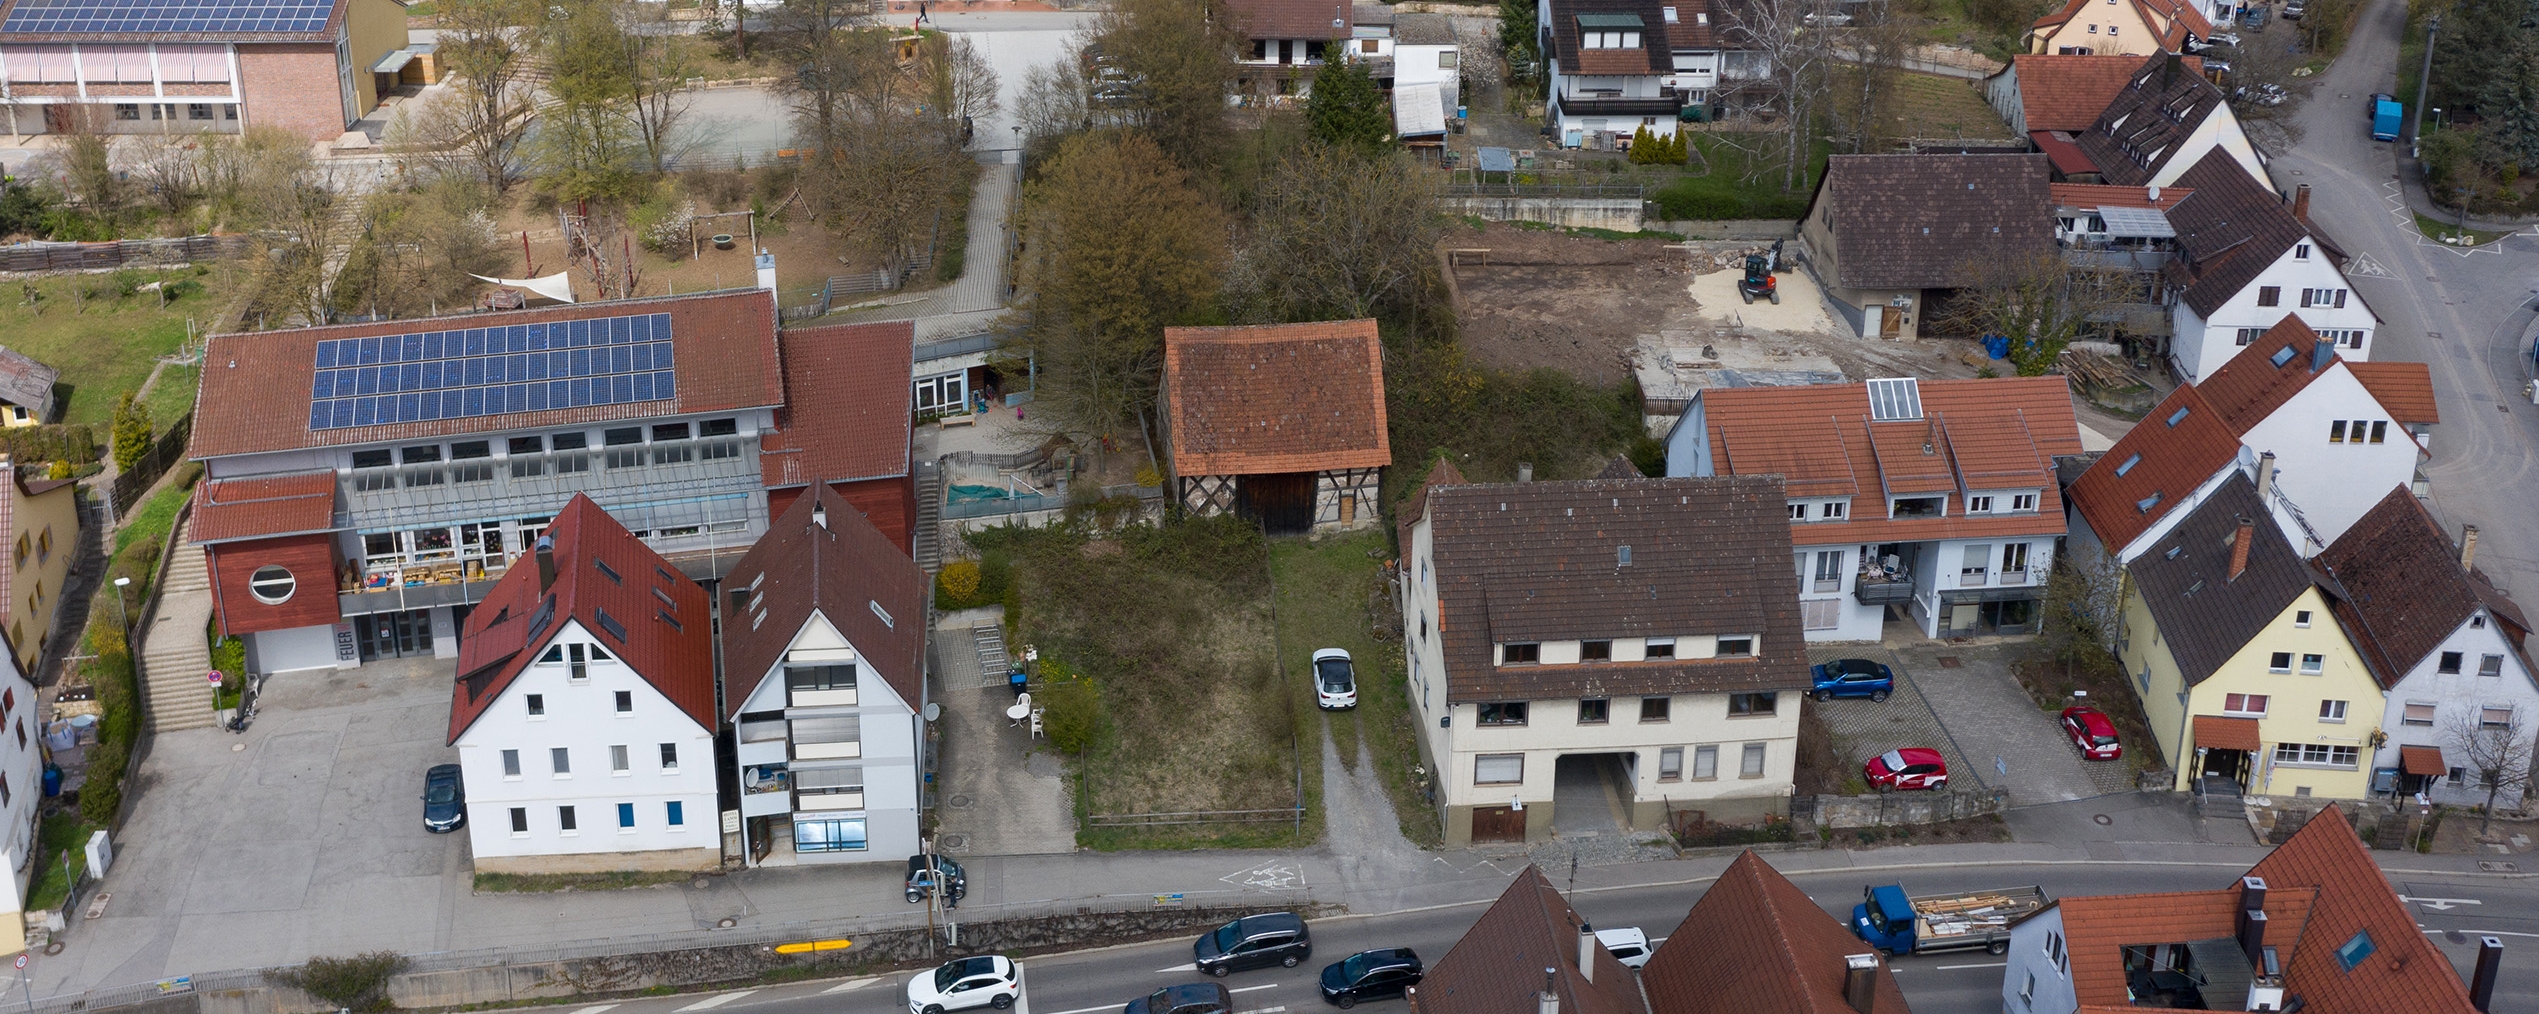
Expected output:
(1798, 54)
(482, 45)
(2496, 749)
(1055, 101)
(1339, 235)
(1875, 47)
(964, 81)
(1176, 57)
(2037, 298)
(657, 71)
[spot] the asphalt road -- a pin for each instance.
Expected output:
(2466, 312)
(1099, 981)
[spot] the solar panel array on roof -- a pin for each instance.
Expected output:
(1895, 400)
(168, 16)
(484, 371)
(2136, 223)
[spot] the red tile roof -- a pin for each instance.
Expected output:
(1442, 473)
(2000, 433)
(255, 390)
(2251, 386)
(2100, 195)
(1275, 398)
(2223, 733)
(1498, 966)
(1756, 944)
(2404, 972)
(846, 410)
(2060, 149)
(264, 505)
(2405, 389)
(669, 645)
(2422, 760)
(850, 573)
(2098, 929)
(2064, 92)
(1291, 19)
(2120, 502)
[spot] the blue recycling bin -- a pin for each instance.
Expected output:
(52, 780)
(1997, 346)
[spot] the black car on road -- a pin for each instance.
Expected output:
(1370, 975)
(1188, 998)
(444, 799)
(1254, 941)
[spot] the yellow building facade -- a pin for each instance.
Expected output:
(2315, 704)
(43, 536)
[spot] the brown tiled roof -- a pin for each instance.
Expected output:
(226, 509)
(2150, 119)
(669, 644)
(1756, 944)
(2228, 232)
(1442, 472)
(1276, 398)
(1498, 966)
(2422, 760)
(846, 414)
(2400, 589)
(27, 383)
(2404, 971)
(1290, 19)
(255, 389)
(2098, 929)
(843, 570)
(1620, 468)
(2405, 389)
(2101, 195)
(1998, 433)
(2249, 387)
(2062, 92)
(1915, 221)
(2058, 148)
(1541, 561)
(1654, 55)
(2205, 615)
(2168, 462)
(2222, 732)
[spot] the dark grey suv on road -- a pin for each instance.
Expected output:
(1254, 941)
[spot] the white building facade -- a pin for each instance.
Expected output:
(2303, 281)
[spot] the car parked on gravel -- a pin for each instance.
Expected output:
(2092, 733)
(1852, 677)
(1335, 680)
(989, 980)
(1254, 941)
(1913, 767)
(1370, 975)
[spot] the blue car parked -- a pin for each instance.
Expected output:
(1853, 677)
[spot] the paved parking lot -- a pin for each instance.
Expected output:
(1962, 699)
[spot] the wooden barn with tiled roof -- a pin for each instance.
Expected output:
(1282, 423)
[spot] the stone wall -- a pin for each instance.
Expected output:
(1882, 809)
(1621, 214)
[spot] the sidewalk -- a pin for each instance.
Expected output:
(982, 283)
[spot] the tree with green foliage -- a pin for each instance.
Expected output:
(586, 148)
(132, 432)
(1178, 56)
(2486, 61)
(22, 208)
(1519, 45)
(1346, 110)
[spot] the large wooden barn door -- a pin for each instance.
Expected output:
(1283, 503)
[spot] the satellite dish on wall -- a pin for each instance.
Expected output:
(933, 711)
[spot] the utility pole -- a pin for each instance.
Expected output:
(2424, 88)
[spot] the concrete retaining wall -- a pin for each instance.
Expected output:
(1905, 808)
(1731, 228)
(1621, 214)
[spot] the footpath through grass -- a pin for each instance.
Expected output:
(1332, 594)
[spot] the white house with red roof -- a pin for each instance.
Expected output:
(584, 710)
(824, 648)
(1934, 498)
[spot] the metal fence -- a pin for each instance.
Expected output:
(169, 449)
(732, 161)
(119, 253)
(950, 347)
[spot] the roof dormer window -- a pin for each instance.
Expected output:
(1609, 31)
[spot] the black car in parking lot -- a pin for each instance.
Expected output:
(1254, 941)
(1370, 975)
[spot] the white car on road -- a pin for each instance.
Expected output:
(984, 981)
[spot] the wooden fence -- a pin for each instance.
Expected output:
(120, 253)
(169, 449)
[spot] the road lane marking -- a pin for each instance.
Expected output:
(712, 1002)
(839, 988)
(2483, 933)
(1262, 1010)
(1090, 1010)
(2441, 904)
(1248, 989)
(596, 1008)
(1996, 964)
(1193, 967)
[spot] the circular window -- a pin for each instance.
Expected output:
(272, 585)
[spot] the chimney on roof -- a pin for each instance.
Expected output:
(1525, 471)
(2301, 203)
(2490, 963)
(2468, 547)
(2250, 926)
(1547, 1001)
(1587, 952)
(1860, 982)
(2321, 354)
(2265, 476)
(2169, 71)
(546, 562)
(2239, 541)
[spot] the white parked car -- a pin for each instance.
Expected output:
(1335, 680)
(985, 981)
(1628, 944)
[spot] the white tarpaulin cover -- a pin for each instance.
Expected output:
(558, 286)
(1419, 111)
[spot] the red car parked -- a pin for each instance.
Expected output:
(1912, 767)
(2092, 732)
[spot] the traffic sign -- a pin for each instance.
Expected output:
(213, 676)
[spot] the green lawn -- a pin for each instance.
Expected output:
(155, 516)
(58, 832)
(1723, 191)
(2434, 228)
(106, 346)
(172, 396)
(1332, 594)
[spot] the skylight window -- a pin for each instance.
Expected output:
(2355, 950)
(2282, 355)
(2128, 465)
(2177, 417)
(610, 624)
(1895, 399)
(2144, 505)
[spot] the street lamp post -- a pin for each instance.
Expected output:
(2424, 87)
(120, 620)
